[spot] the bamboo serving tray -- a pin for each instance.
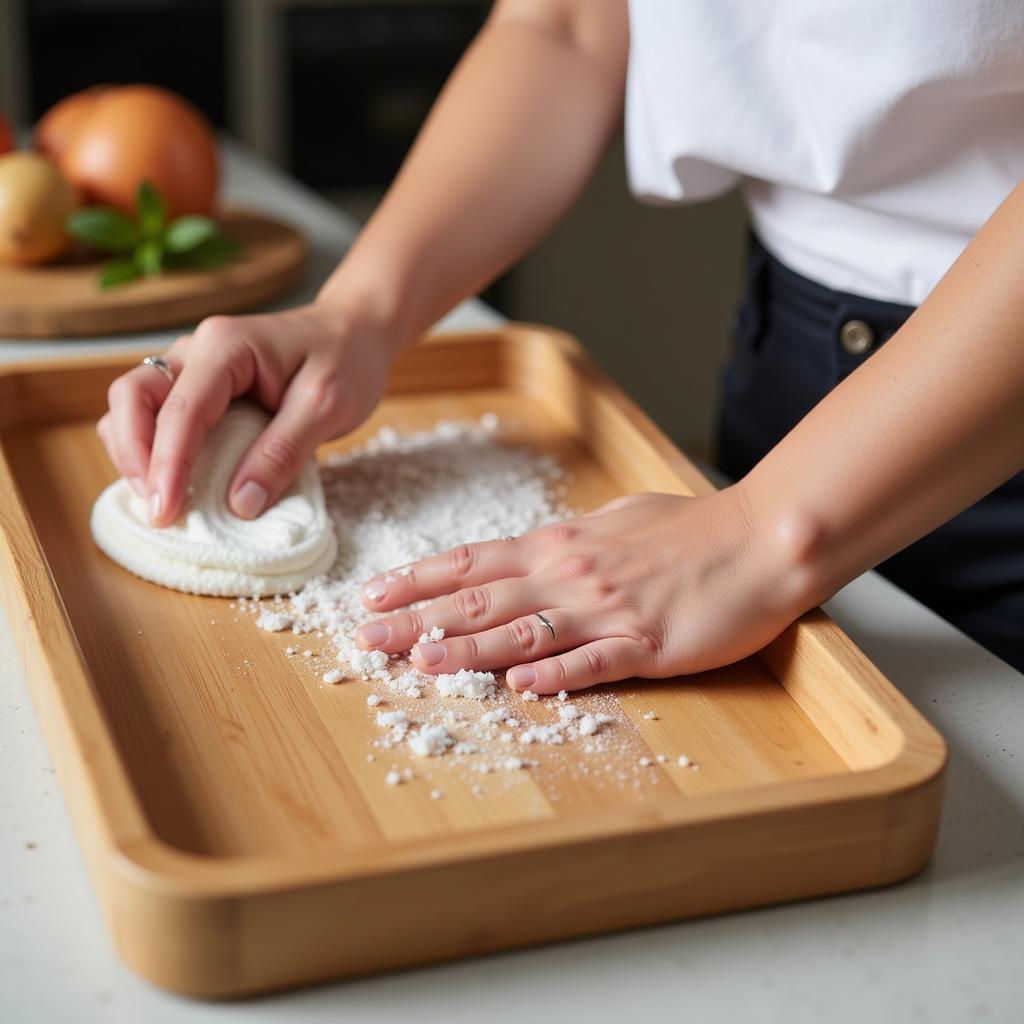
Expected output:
(61, 300)
(239, 840)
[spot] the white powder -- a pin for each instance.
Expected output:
(430, 741)
(335, 675)
(436, 794)
(563, 694)
(683, 761)
(274, 622)
(543, 734)
(650, 716)
(588, 725)
(466, 683)
(436, 633)
(368, 664)
(404, 498)
(645, 762)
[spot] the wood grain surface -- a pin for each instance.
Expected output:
(62, 300)
(238, 836)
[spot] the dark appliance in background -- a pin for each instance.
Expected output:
(362, 77)
(178, 44)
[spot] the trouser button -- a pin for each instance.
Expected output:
(856, 337)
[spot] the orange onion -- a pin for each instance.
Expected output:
(135, 133)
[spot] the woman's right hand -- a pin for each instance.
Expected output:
(319, 374)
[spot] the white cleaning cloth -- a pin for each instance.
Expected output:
(208, 549)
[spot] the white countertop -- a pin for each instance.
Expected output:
(938, 948)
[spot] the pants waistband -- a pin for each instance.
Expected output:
(810, 314)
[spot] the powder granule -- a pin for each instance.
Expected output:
(430, 741)
(563, 695)
(392, 718)
(567, 712)
(529, 695)
(683, 761)
(392, 778)
(335, 675)
(435, 635)
(273, 622)
(372, 701)
(368, 664)
(513, 764)
(551, 734)
(466, 683)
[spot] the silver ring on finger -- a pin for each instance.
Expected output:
(160, 364)
(547, 624)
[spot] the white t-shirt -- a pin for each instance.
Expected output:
(871, 138)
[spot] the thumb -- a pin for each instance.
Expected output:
(310, 410)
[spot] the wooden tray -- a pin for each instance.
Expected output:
(62, 300)
(239, 840)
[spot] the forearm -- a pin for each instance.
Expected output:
(508, 146)
(927, 426)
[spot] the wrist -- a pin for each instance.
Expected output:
(347, 307)
(792, 546)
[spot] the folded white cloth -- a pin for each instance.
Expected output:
(208, 549)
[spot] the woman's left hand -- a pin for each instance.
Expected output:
(650, 585)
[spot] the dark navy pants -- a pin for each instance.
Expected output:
(794, 341)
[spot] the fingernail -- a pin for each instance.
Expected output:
(156, 506)
(430, 654)
(373, 634)
(375, 590)
(138, 486)
(249, 499)
(521, 677)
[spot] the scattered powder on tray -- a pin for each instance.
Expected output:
(402, 498)
(274, 622)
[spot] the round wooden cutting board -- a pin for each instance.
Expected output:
(63, 300)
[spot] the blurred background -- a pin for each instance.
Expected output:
(334, 91)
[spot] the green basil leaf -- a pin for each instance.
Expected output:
(119, 271)
(149, 257)
(103, 228)
(216, 251)
(152, 215)
(189, 232)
